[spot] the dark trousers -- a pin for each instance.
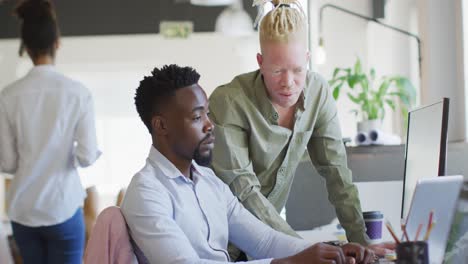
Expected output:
(61, 243)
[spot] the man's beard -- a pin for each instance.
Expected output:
(199, 158)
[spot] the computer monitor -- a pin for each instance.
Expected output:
(426, 147)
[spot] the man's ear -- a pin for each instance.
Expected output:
(159, 125)
(259, 60)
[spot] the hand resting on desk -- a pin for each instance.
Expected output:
(350, 253)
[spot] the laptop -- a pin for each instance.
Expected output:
(439, 195)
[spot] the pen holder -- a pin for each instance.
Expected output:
(412, 252)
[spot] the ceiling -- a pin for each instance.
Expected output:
(104, 17)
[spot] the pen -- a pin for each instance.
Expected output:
(390, 229)
(418, 231)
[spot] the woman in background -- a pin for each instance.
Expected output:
(46, 130)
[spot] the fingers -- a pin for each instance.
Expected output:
(333, 253)
(383, 248)
(381, 251)
(350, 260)
(354, 250)
(360, 253)
(389, 245)
(369, 256)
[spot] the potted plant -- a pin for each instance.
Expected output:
(371, 95)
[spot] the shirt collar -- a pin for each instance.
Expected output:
(167, 167)
(43, 68)
(302, 101)
(264, 102)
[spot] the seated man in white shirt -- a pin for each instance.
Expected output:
(180, 212)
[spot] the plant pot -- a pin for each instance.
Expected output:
(368, 125)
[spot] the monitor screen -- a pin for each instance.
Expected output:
(426, 147)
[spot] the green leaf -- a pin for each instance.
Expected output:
(335, 72)
(336, 90)
(358, 67)
(390, 103)
(382, 113)
(352, 80)
(364, 83)
(406, 87)
(383, 87)
(362, 96)
(332, 82)
(403, 97)
(374, 113)
(354, 99)
(370, 96)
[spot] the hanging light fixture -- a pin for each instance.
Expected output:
(211, 2)
(321, 54)
(234, 20)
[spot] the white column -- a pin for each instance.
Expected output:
(441, 32)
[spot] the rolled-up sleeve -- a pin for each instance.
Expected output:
(328, 154)
(232, 164)
(8, 149)
(86, 148)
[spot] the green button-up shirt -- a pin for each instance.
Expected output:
(257, 158)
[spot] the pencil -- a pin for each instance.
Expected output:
(403, 228)
(431, 215)
(418, 231)
(390, 229)
(429, 230)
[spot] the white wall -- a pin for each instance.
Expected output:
(347, 37)
(217, 58)
(112, 66)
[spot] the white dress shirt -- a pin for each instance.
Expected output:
(46, 128)
(176, 220)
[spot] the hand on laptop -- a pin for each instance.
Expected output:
(359, 253)
(383, 249)
(350, 253)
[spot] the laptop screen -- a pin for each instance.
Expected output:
(439, 195)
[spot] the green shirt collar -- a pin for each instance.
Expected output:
(264, 103)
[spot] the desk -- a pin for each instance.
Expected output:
(381, 196)
(330, 232)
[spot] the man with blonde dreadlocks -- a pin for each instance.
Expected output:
(265, 119)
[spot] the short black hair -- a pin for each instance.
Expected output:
(39, 28)
(162, 83)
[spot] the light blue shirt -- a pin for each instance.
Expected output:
(176, 220)
(47, 129)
